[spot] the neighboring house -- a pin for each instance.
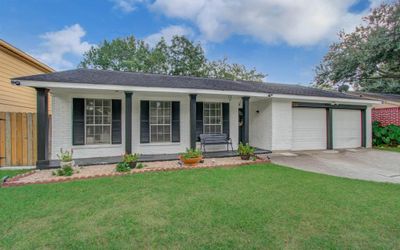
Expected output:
(14, 63)
(17, 107)
(107, 113)
(387, 111)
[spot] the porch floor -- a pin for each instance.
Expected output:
(151, 157)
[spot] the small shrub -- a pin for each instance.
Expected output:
(385, 135)
(128, 158)
(140, 165)
(65, 171)
(123, 167)
(192, 153)
(245, 149)
(65, 156)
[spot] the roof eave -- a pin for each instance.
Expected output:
(66, 85)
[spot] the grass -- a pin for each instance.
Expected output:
(11, 173)
(260, 206)
(387, 148)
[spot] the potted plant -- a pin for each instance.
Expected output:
(245, 151)
(65, 158)
(66, 163)
(191, 156)
(131, 160)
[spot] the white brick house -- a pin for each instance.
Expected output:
(107, 113)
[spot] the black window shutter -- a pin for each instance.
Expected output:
(78, 121)
(116, 122)
(225, 118)
(199, 120)
(144, 122)
(176, 136)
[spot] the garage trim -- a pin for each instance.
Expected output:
(329, 120)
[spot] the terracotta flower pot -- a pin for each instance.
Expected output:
(132, 164)
(190, 161)
(245, 157)
(67, 164)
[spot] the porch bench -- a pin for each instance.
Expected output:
(215, 139)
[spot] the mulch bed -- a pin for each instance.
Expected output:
(41, 177)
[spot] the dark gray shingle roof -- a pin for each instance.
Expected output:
(90, 76)
(376, 96)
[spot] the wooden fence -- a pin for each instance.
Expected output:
(18, 139)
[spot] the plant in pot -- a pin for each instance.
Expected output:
(245, 151)
(191, 156)
(131, 160)
(66, 163)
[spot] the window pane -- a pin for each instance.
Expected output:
(98, 102)
(89, 120)
(212, 118)
(160, 121)
(98, 121)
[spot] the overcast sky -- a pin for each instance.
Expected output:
(284, 38)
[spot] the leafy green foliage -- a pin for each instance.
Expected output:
(139, 166)
(367, 58)
(385, 135)
(64, 171)
(180, 57)
(123, 167)
(128, 158)
(246, 149)
(192, 153)
(65, 156)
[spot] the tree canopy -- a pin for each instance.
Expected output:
(180, 57)
(367, 58)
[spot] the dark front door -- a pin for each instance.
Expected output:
(240, 124)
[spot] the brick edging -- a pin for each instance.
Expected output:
(12, 182)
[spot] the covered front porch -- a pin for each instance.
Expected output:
(131, 129)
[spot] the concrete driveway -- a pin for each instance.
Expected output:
(364, 164)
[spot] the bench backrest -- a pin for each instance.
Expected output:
(213, 137)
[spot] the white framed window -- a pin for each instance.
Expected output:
(160, 121)
(212, 118)
(98, 121)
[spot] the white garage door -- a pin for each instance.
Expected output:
(346, 128)
(309, 129)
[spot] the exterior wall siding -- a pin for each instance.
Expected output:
(163, 147)
(386, 115)
(16, 98)
(234, 104)
(62, 127)
(281, 125)
(261, 124)
(270, 128)
(369, 127)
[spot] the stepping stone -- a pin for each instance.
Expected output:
(288, 154)
(353, 150)
(331, 151)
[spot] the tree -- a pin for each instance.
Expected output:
(180, 57)
(367, 58)
(224, 70)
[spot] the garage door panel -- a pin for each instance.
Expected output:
(346, 128)
(309, 129)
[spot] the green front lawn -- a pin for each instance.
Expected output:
(386, 148)
(261, 206)
(11, 173)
